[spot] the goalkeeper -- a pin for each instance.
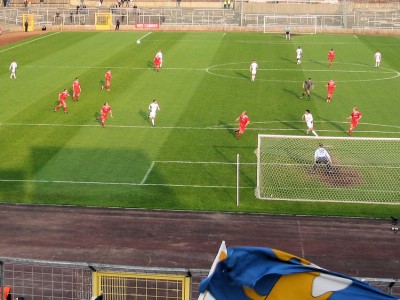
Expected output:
(322, 156)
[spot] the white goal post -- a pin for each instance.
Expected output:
(362, 170)
(298, 24)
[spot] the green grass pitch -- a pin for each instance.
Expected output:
(187, 161)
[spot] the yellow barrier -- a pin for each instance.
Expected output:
(122, 286)
(103, 21)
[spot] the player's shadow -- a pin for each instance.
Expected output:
(97, 116)
(334, 124)
(293, 93)
(287, 59)
(228, 128)
(290, 125)
(319, 63)
(240, 74)
(102, 83)
(150, 64)
(317, 96)
(143, 114)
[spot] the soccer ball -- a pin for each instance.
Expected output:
(138, 42)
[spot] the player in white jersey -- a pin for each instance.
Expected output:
(159, 54)
(253, 70)
(13, 69)
(153, 107)
(308, 118)
(299, 55)
(378, 58)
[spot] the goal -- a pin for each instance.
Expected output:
(363, 170)
(304, 24)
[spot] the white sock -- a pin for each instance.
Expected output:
(314, 133)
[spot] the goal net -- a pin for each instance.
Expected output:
(362, 170)
(304, 24)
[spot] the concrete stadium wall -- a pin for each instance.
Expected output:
(199, 28)
(304, 8)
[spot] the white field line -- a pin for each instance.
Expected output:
(148, 173)
(199, 162)
(28, 42)
(186, 162)
(144, 36)
(219, 127)
(207, 69)
(142, 183)
(122, 183)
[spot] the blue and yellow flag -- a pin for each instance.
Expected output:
(269, 274)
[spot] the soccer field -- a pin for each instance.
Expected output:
(188, 160)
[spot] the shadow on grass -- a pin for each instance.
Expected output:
(291, 125)
(334, 124)
(293, 93)
(229, 129)
(143, 114)
(242, 75)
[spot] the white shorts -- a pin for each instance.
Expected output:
(310, 125)
(152, 115)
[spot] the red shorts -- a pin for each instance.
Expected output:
(242, 128)
(354, 124)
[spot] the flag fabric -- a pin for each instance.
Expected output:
(268, 274)
(221, 255)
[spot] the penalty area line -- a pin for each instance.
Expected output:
(140, 39)
(122, 183)
(148, 172)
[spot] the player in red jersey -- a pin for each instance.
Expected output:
(76, 89)
(157, 63)
(107, 77)
(62, 97)
(331, 88)
(105, 109)
(243, 120)
(331, 57)
(354, 119)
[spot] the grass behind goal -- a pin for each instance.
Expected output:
(187, 161)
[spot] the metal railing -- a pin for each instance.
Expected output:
(57, 280)
(359, 19)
